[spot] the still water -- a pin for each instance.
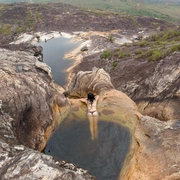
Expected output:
(54, 51)
(103, 157)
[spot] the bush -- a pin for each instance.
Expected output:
(106, 54)
(155, 54)
(37, 37)
(175, 47)
(111, 38)
(114, 64)
(144, 43)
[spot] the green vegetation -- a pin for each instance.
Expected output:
(5, 29)
(111, 38)
(121, 53)
(30, 19)
(106, 54)
(166, 10)
(37, 37)
(114, 64)
(152, 48)
(158, 46)
(128, 7)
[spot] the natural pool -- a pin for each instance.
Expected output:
(54, 51)
(103, 157)
(72, 140)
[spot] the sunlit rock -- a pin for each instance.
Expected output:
(154, 151)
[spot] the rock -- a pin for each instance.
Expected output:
(154, 152)
(154, 86)
(97, 81)
(157, 155)
(84, 48)
(31, 105)
(38, 52)
(30, 96)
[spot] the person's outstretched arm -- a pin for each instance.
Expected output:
(84, 100)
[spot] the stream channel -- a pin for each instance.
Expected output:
(53, 55)
(102, 156)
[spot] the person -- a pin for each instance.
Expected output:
(92, 113)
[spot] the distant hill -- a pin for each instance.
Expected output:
(162, 9)
(110, 1)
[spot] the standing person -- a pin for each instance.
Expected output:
(92, 113)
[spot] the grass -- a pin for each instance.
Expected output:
(106, 54)
(162, 11)
(165, 11)
(5, 29)
(111, 38)
(152, 48)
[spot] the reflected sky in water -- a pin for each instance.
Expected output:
(102, 157)
(54, 51)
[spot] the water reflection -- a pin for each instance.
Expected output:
(93, 124)
(103, 157)
(54, 51)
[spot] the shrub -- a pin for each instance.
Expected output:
(143, 43)
(111, 38)
(175, 47)
(106, 54)
(155, 54)
(37, 37)
(138, 52)
(114, 64)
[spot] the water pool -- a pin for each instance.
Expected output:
(54, 51)
(103, 157)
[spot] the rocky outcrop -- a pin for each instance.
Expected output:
(31, 105)
(28, 95)
(154, 86)
(157, 154)
(154, 151)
